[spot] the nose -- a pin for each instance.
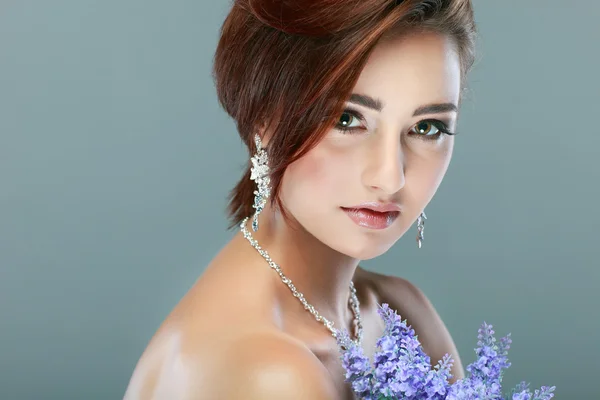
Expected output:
(385, 167)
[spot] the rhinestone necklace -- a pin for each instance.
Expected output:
(353, 300)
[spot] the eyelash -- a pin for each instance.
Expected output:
(441, 126)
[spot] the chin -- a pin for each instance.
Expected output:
(351, 240)
(367, 253)
(360, 247)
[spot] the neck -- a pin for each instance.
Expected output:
(320, 273)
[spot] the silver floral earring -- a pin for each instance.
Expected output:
(260, 174)
(421, 228)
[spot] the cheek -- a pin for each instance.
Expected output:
(317, 175)
(430, 168)
(444, 159)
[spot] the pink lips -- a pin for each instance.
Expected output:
(373, 215)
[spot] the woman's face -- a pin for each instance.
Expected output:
(389, 149)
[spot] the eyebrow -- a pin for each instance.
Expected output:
(377, 105)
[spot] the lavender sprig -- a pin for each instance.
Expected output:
(402, 370)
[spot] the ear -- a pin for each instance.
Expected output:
(268, 124)
(265, 131)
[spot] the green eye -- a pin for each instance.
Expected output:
(430, 129)
(345, 120)
(349, 121)
(426, 128)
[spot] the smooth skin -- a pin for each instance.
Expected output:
(239, 333)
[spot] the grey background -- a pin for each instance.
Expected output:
(115, 160)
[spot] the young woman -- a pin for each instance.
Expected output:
(349, 110)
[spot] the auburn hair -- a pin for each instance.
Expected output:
(288, 66)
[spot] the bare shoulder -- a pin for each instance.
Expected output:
(260, 365)
(169, 368)
(274, 366)
(412, 304)
(220, 342)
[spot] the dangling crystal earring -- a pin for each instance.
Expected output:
(421, 228)
(260, 174)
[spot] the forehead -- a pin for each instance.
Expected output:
(411, 71)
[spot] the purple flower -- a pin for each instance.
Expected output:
(402, 370)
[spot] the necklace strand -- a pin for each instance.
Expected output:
(353, 300)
